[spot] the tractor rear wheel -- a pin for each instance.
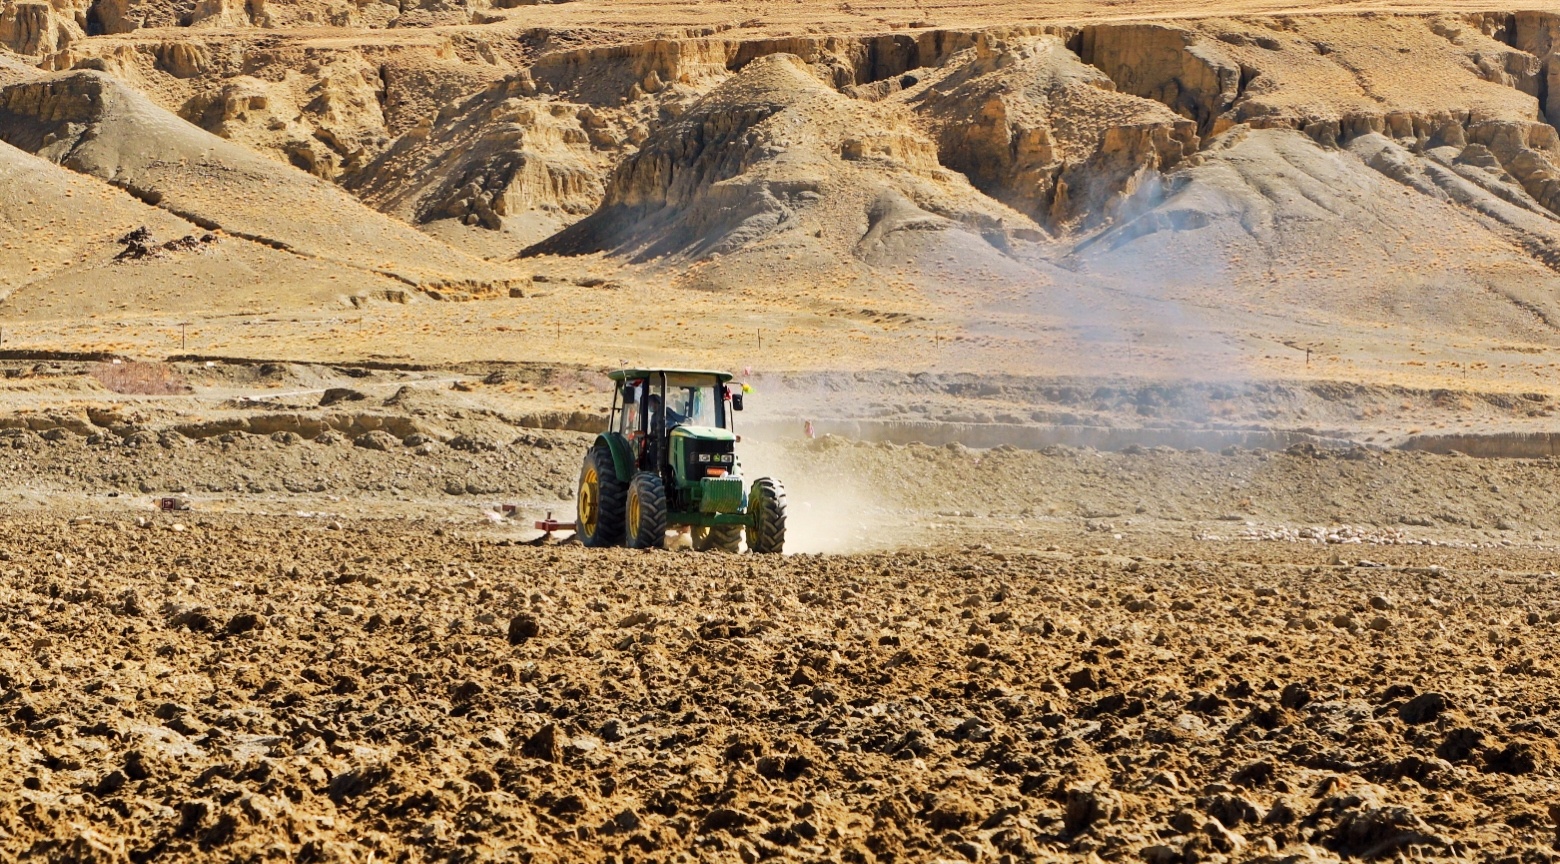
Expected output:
(722, 538)
(599, 517)
(766, 508)
(645, 516)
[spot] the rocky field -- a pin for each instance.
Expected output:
(342, 278)
(345, 651)
(205, 688)
(845, 495)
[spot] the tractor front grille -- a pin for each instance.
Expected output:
(720, 495)
(702, 456)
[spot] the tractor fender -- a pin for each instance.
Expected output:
(622, 454)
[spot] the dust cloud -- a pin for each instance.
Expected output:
(828, 510)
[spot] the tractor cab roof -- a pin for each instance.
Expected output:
(631, 374)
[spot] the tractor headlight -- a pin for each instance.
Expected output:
(704, 457)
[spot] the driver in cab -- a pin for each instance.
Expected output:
(673, 418)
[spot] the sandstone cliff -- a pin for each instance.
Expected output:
(1033, 126)
(503, 160)
(773, 159)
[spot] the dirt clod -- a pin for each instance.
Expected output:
(523, 627)
(1424, 708)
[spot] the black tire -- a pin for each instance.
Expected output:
(720, 538)
(766, 507)
(602, 492)
(644, 518)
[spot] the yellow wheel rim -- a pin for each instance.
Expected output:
(633, 512)
(590, 486)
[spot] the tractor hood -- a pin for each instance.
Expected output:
(703, 433)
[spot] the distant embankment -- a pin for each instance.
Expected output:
(1499, 445)
(1035, 437)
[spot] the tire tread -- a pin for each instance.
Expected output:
(612, 500)
(767, 536)
(721, 538)
(652, 523)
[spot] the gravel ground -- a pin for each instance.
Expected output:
(219, 689)
(846, 496)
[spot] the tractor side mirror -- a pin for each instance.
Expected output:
(736, 401)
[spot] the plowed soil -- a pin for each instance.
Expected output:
(214, 687)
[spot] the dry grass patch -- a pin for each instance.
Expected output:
(141, 379)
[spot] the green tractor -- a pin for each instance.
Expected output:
(668, 459)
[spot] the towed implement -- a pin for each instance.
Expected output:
(668, 460)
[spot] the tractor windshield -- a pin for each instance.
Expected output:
(695, 400)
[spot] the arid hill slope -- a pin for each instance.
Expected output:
(93, 124)
(60, 235)
(1174, 191)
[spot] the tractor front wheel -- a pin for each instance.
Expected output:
(722, 538)
(599, 520)
(645, 519)
(766, 509)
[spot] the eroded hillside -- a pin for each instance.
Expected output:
(1174, 193)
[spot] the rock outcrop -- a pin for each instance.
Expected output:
(1269, 222)
(1247, 167)
(38, 28)
(774, 158)
(1339, 81)
(604, 75)
(506, 159)
(324, 105)
(1167, 64)
(1034, 127)
(1330, 76)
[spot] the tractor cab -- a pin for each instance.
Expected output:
(669, 416)
(669, 453)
